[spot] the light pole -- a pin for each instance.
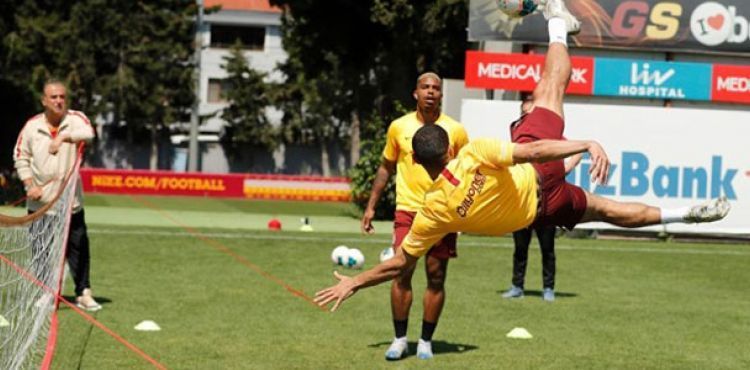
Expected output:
(193, 149)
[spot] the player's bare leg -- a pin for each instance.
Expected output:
(620, 213)
(550, 90)
(630, 214)
(401, 299)
(434, 298)
(401, 295)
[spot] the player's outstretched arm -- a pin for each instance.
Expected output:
(550, 150)
(347, 286)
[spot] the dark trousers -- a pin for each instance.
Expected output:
(522, 239)
(77, 251)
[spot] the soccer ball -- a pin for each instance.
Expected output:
(355, 259)
(517, 8)
(340, 255)
(348, 257)
(387, 254)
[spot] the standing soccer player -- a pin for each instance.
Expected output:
(411, 183)
(45, 151)
(546, 237)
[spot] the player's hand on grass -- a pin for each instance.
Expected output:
(599, 171)
(366, 224)
(337, 293)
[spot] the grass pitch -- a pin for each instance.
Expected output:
(229, 295)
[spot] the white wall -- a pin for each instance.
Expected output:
(264, 60)
(454, 92)
(659, 146)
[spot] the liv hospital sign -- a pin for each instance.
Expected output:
(615, 77)
(647, 79)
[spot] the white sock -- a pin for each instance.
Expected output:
(558, 32)
(670, 215)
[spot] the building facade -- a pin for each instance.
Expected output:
(256, 25)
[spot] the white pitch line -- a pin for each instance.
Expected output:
(371, 240)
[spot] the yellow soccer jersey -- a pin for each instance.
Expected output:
(412, 181)
(481, 192)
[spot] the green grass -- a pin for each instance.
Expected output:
(269, 207)
(620, 304)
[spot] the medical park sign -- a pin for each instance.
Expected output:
(647, 79)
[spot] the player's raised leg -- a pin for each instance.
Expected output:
(550, 90)
(630, 214)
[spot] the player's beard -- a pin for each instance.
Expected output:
(430, 113)
(430, 105)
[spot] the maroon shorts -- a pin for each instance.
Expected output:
(444, 249)
(560, 203)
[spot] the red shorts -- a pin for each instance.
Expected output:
(444, 249)
(560, 203)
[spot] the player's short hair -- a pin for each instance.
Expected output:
(53, 81)
(429, 75)
(430, 143)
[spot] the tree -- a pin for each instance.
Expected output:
(245, 116)
(326, 59)
(364, 171)
(378, 46)
(127, 61)
(371, 51)
(19, 100)
(312, 109)
(145, 71)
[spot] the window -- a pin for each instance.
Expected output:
(225, 36)
(217, 89)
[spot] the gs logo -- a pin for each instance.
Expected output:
(661, 22)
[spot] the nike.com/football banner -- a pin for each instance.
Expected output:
(686, 25)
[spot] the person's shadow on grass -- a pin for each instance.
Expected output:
(538, 293)
(438, 347)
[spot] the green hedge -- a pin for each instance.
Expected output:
(363, 172)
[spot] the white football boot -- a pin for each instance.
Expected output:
(398, 349)
(557, 9)
(714, 210)
(424, 349)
